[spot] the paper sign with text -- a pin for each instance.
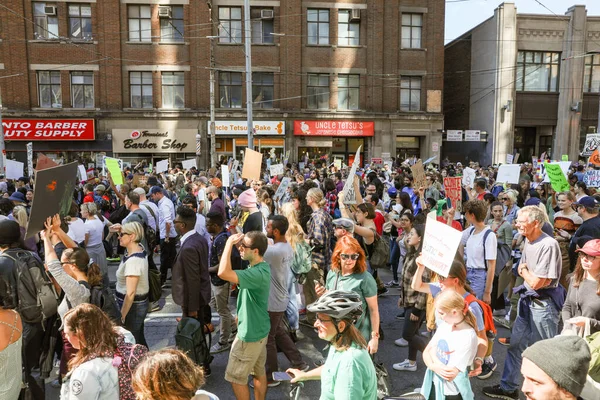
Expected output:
(440, 243)
(349, 195)
(162, 166)
(14, 169)
(281, 189)
(225, 175)
(418, 172)
(276, 169)
(592, 178)
(558, 180)
(454, 192)
(468, 177)
(188, 164)
(509, 173)
(113, 165)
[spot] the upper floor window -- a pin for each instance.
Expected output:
(412, 30)
(262, 25)
(348, 92)
(349, 27)
(49, 91)
(318, 26)
(410, 93)
(45, 21)
(262, 89)
(591, 79)
(230, 89)
(173, 90)
(82, 89)
(230, 24)
(80, 21)
(537, 71)
(140, 26)
(171, 23)
(317, 93)
(140, 89)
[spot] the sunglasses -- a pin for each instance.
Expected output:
(353, 257)
(244, 245)
(121, 234)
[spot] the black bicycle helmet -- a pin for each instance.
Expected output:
(338, 304)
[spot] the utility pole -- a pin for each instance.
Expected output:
(2, 149)
(213, 136)
(248, 50)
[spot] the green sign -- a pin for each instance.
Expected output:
(558, 180)
(112, 164)
(565, 157)
(150, 167)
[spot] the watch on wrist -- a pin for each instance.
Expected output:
(478, 358)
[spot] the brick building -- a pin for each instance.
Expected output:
(327, 77)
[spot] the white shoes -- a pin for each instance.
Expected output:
(405, 366)
(401, 342)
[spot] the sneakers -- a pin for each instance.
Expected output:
(487, 369)
(502, 322)
(499, 313)
(269, 383)
(219, 347)
(497, 392)
(401, 342)
(392, 284)
(382, 291)
(504, 341)
(113, 259)
(319, 362)
(405, 366)
(153, 307)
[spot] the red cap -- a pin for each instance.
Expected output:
(591, 248)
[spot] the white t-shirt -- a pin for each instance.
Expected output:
(474, 247)
(95, 228)
(454, 349)
(133, 266)
(77, 230)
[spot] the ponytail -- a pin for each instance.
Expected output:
(94, 275)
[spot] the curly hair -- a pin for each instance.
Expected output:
(347, 244)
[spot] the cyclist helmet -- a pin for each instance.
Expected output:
(338, 304)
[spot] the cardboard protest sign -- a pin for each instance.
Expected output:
(509, 173)
(440, 243)
(225, 175)
(276, 169)
(53, 194)
(44, 162)
(252, 163)
(592, 178)
(418, 172)
(114, 167)
(14, 169)
(468, 177)
(139, 180)
(188, 164)
(558, 180)
(516, 159)
(162, 166)
(30, 159)
(454, 192)
(592, 142)
(281, 189)
(349, 195)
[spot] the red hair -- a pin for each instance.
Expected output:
(348, 245)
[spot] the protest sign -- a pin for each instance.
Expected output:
(162, 166)
(440, 243)
(564, 166)
(225, 175)
(468, 177)
(349, 194)
(252, 163)
(509, 173)
(592, 142)
(285, 182)
(430, 159)
(276, 169)
(188, 164)
(418, 172)
(82, 173)
(592, 178)
(557, 177)
(44, 162)
(114, 167)
(14, 169)
(565, 157)
(509, 158)
(516, 159)
(53, 194)
(30, 159)
(337, 163)
(595, 158)
(454, 192)
(140, 180)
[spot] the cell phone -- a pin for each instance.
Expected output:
(281, 376)
(316, 282)
(449, 202)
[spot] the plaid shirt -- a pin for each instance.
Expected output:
(320, 232)
(331, 200)
(408, 296)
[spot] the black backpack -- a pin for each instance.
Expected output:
(105, 300)
(190, 339)
(36, 298)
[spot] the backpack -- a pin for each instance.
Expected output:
(488, 316)
(302, 261)
(190, 339)
(102, 204)
(593, 342)
(381, 252)
(126, 359)
(104, 299)
(150, 232)
(503, 252)
(36, 298)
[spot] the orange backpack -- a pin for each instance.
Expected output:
(488, 318)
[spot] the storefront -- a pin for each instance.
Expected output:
(232, 137)
(326, 140)
(62, 140)
(408, 147)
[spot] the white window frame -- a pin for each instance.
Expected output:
(412, 23)
(142, 76)
(178, 89)
(319, 18)
(345, 30)
(230, 29)
(140, 27)
(82, 18)
(83, 87)
(55, 89)
(172, 29)
(45, 26)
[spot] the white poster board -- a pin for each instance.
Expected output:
(276, 169)
(188, 164)
(225, 175)
(30, 158)
(349, 195)
(592, 141)
(14, 169)
(281, 189)
(468, 177)
(509, 158)
(440, 243)
(82, 172)
(162, 166)
(509, 173)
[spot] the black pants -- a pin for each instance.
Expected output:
(497, 301)
(410, 332)
(447, 397)
(33, 336)
(168, 251)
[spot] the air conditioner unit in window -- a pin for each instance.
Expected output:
(164, 12)
(266, 14)
(355, 14)
(50, 10)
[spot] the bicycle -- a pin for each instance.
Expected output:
(295, 390)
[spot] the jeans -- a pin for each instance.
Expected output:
(168, 251)
(476, 278)
(394, 256)
(221, 304)
(280, 338)
(410, 332)
(291, 312)
(134, 322)
(541, 324)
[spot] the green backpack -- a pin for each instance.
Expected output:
(594, 343)
(302, 262)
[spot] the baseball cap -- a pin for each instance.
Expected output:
(591, 248)
(533, 201)
(140, 191)
(392, 192)
(100, 188)
(345, 223)
(587, 201)
(154, 190)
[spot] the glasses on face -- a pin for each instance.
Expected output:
(588, 257)
(321, 320)
(246, 246)
(121, 234)
(504, 199)
(353, 257)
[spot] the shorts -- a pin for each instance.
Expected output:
(246, 358)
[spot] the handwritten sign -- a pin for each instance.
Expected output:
(418, 172)
(509, 158)
(592, 142)
(592, 178)
(454, 192)
(595, 158)
(509, 173)
(82, 173)
(113, 165)
(276, 169)
(349, 195)
(285, 183)
(440, 243)
(30, 158)
(337, 163)
(558, 180)
(565, 157)
(468, 177)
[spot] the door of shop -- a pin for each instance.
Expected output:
(407, 147)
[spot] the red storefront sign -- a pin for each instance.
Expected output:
(48, 129)
(334, 128)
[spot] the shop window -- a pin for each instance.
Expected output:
(230, 24)
(318, 26)
(82, 89)
(80, 21)
(140, 23)
(537, 71)
(262, 25)
(173, 90)
(49, 91)
(171, 24)
(262, 89)
(412, 31)
(348, 92)
(410, 93)
(230, 89)
(349, 27)
(140, 88)
(45, 21)
(317, 92)
(591, 79)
